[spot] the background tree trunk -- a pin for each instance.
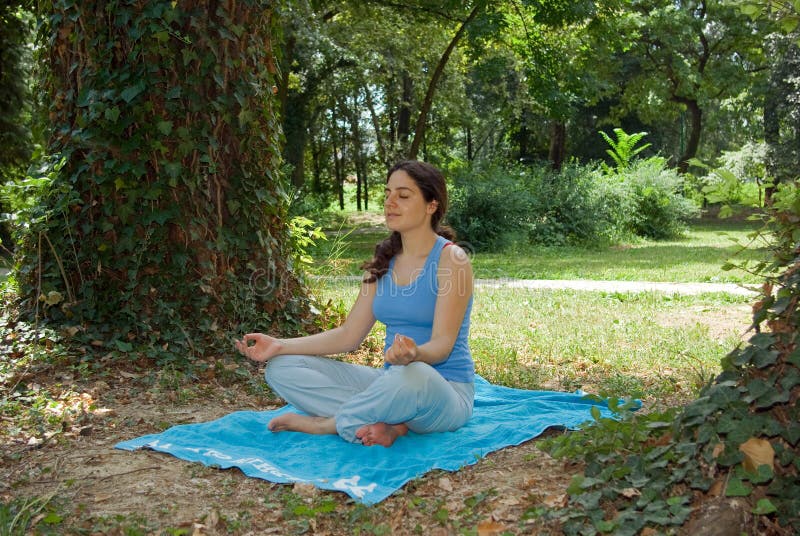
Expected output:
(695, 128)
(427, 103)
(165, 219)
(558, 144)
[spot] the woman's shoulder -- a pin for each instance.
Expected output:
(454, 256)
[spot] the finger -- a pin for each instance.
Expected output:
(401, 343)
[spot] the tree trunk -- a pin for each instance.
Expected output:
(295, 130)
(404, 113)
(695, 128)
(167, 219)
(382, 152)
(427, 103)
(558, 144)
(337, 141)
(772, 140)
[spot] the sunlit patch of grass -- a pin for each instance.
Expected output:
(696, 257)
(643, 345)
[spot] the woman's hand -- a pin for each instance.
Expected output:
(263, 348)
(402, 351)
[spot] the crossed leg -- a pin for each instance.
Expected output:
(371, 434)
(303, 423)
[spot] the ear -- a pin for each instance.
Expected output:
(433, 206)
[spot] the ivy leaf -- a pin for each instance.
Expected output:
(764, 507)
(112, 114)
(132, 92)
(165, 127)
(123, 346)
(764, 359)
(762, 340)
(794, 357)
(737, 488)
(772, 398)
(174, 92)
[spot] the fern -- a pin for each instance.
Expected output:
(624, 149)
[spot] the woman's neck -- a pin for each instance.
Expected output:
(418, 243)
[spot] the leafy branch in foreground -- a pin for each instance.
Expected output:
(739, 440)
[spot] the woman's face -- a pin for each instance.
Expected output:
(405, 207)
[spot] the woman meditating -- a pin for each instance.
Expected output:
(419, 284)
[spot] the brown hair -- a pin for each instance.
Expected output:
(431, 183)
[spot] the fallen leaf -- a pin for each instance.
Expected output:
(445, 484)
(719, 448)
(212, 519)
(490, 528)
(757, 452)
(717, 487)
(509, 500)
(555, 501)
(305, 490)
(630, 493)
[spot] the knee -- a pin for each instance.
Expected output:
(416, 375)
(277, 369)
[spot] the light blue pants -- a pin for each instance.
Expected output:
(356, 395)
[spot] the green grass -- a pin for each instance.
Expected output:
(697, 257)
(647, 345)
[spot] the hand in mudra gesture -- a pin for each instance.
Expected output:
(262, 349)
(402, 351)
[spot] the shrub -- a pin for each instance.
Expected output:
(578, 206)
(488, 208)
(659, 209)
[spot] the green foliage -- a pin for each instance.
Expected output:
(492, 207)
(576, 206)
(160, 216)
(737, 181)
(674, 463)
(15, 137)
(488, 209)
(623, 150)
(19, 516)
(659, 209)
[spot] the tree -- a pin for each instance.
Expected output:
(781, 114)
(15, 136)
(687, 54)
(310, 57)
(165, 216)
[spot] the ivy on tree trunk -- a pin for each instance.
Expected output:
(165, 217)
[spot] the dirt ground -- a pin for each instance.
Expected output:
(95, 489)
(85, 486)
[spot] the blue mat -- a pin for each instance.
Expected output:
(502, 417)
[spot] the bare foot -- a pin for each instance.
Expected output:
(303, 423)
(381, 433)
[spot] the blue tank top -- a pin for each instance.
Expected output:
(408, 310)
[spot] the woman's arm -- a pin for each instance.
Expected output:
(455, 289)
(344, 338)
